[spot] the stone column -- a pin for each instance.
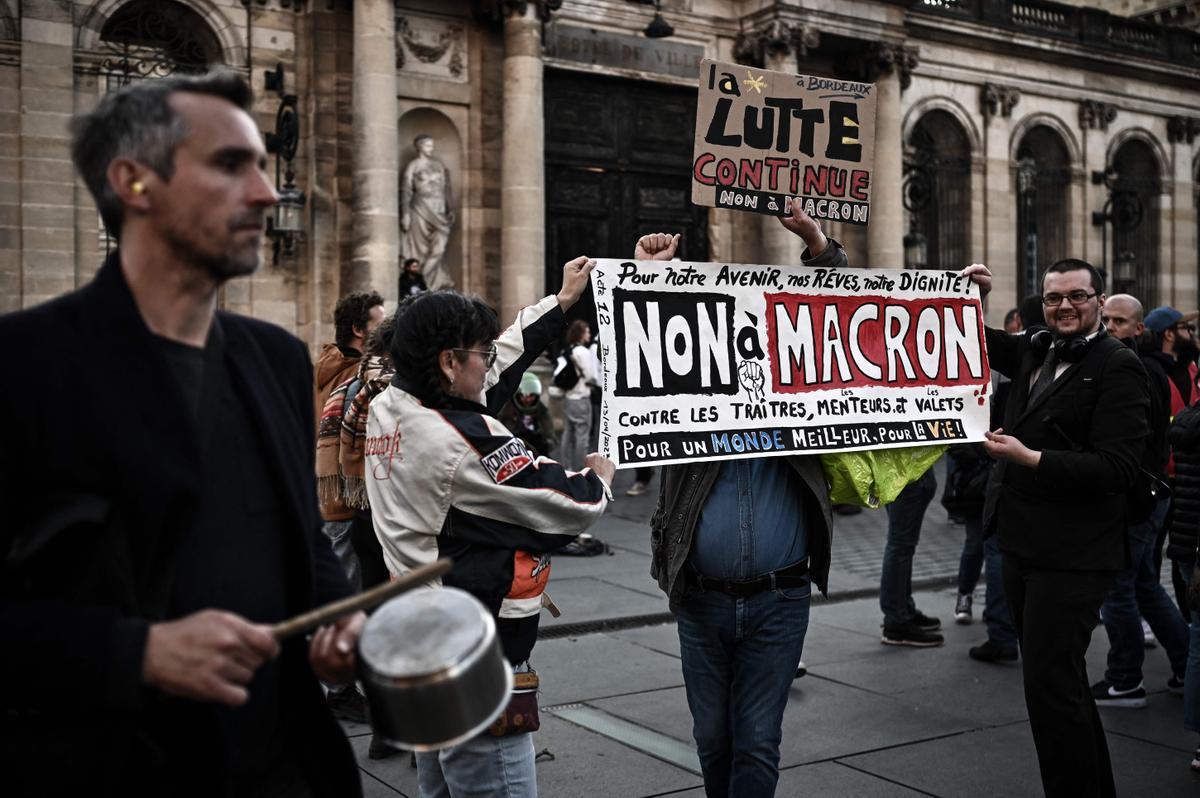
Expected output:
(47, 179)
(885, 232)
(522, 168)
(1182, 132)
(376, 239)
(1094, 119)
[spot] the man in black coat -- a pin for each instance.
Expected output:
(157, 488)
(1074, 430)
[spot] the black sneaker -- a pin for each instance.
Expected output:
(1175, 684)
(347, 704)
(1196, 761)
(987, 651)
(910, 634)
(1108, 696)
(925, 622)
(962, 608)
(801, 670)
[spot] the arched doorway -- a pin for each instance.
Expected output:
(1134, 255)
(937, 193)
(152, 39)
(1043, 179)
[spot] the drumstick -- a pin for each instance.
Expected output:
(362, 601)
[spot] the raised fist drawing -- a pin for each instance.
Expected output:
(751, 376)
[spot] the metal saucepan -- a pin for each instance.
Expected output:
(432, 669)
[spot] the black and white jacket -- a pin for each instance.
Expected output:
(455, 482)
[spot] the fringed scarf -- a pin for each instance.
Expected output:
(374, 376)
(329, 475)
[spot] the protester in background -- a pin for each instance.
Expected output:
(736, 546)
(449, 479)
(1074, 431)
(1183, 548)
(1175, 337)
(577, 401)
(372, 378)
(1172, 344)
(1138, 592)
(412, 282)
(528, 418)
(1013, 323)
(159, 499)
(903, 623)
(641, 480)
(1033, 313)
(354, 317)
(1001, 642)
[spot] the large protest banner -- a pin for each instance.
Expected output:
(762, 136)
(706, 361)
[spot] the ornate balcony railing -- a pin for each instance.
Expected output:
(1087, 27)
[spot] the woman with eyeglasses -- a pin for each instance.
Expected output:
(446, 478)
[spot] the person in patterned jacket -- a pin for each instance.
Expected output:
(446, 478)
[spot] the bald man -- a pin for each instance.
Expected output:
(1137, 593)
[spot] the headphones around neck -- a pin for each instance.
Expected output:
(1068, 348)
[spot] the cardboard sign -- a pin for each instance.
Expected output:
(763, 136)
(705, 361)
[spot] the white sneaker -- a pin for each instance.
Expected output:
(636, 489)
(1148, 636)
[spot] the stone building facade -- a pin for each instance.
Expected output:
(1012, 132)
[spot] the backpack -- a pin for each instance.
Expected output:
(565, 374)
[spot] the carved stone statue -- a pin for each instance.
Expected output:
(425, 213)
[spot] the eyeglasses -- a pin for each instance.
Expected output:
(489, 355)
(1078, 297)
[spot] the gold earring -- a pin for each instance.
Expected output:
(137, 187)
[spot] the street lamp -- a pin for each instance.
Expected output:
(286, 224)
(658, 28)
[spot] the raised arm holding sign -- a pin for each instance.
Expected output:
(765, 137)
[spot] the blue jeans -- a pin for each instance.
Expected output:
(739, 657)
(1191, 681)
(905, 516)
(482, 767)
(996, 615)
(1137, 594)
(970, 562)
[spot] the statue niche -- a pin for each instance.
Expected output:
(426, 217)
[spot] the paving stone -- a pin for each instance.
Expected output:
(581, 669)
(588, 599)
(1003, 762)
(990, 762)
(588, 765)
(663, 638)
(823, 720)
(827, 778)
(396, 772)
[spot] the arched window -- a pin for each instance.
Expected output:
(1043, 177)
(153, 39)
(937, 193)
(1133, 262)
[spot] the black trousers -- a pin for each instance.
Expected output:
(1055, 613)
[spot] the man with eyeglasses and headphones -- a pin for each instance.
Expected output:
(1068, 452)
